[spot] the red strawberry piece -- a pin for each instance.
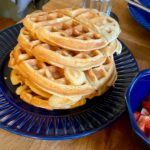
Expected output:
(144, 111)
(147, 128)
(142, 121)
(137, 115)
(146, 104)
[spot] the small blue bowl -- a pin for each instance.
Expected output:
(141, 16)
(136, 93)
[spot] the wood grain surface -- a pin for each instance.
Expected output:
(4, 23)
(119, 135)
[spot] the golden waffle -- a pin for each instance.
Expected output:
(119, 47)
(105, 87)
(113, 47)
(103, 76)
(40, 18)
(64, 58)
(54, 103)
(52, 79)
(56, 28)
(71, 34)
(17, 79)
(102, 23)
(49, 78)
(38, 98)
(17, 55)
(59, 56)
(27, 41)
(73, 12)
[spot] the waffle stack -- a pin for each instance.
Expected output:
(64, 57)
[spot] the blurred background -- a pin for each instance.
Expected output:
(17, 9)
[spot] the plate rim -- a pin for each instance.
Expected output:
(66, 137)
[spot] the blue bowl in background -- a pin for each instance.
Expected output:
(141, 16)
(136, 93)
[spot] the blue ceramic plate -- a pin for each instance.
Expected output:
(20, 118)
(142, 17)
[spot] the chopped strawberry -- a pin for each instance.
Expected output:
(146, 104)
(147, 128)
(142, 121)
(143, 117)
(137, 115)
(144, 111)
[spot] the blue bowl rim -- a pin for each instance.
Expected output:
(128, 102)
(145, 26)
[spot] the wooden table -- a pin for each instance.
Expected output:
(118, 136)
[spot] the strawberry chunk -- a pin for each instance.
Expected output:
(143, 118)
(137, 115)
(142, 121)
(146, 104)
(147, 128)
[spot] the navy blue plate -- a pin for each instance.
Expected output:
(142, 17)
(23, 119)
